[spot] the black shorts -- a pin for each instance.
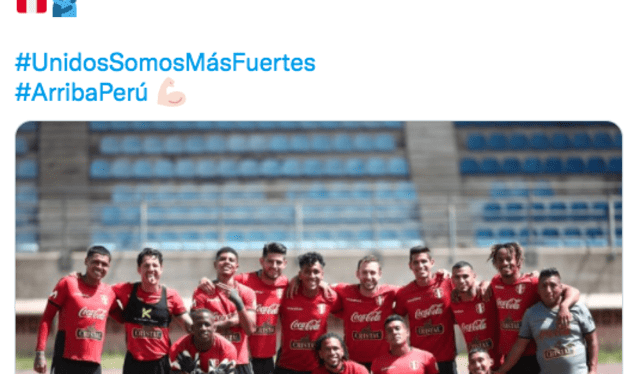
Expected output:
(280, 370)
(526, 365)
(448, 367)
(262, 365)
(60, 365)
(133, 366)
(367, 365)
(244, 369)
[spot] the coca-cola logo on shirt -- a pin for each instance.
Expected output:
(477, 325)
(313, 325)
(268, 309)
(374, 316)
(431, 311)
(100, 314)
(511, 304)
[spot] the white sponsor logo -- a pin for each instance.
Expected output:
(380, 300)
(480, 308)
(477, 325)
(433, 310)
(322, 308)
(374, 316)
(90, 313)
(268, 309)
(104, 299)
(313, 325)
(294, 308)
(414, 299)
(520, 288)
(354, 300)
(513, 304)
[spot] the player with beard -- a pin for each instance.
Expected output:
(233, 306)
(479, 361)
(401, 357)
(477, 319)
(333, 357)
(304, 318)
(269, 284)
(427, 302)
(82, 302)
(148, 307)
(514, 294)
(203, 346)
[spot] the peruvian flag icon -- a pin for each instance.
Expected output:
(32, 6)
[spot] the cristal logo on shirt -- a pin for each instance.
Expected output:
(147, 332)
(367, 334)
(89, 333)
(558, 351)
(430, 329)
(265, 329)
(303, 344)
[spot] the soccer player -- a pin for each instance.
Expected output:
(402, 358)
(571, 349)
(333, 357)
(83, 303)
(479, 361)
(514, 294)
(233, 306)
(477, 319)
(203, 345)
(304, 318)
(148, 307)
(427, 302)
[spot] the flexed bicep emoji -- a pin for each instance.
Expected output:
(175, 98)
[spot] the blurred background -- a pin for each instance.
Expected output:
(344, 189)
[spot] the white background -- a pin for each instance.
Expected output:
(375, 60)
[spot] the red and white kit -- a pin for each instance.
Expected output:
(220, 350)
(416, 361)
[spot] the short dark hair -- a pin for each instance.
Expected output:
(513, 248)
(368, 258)
(225, 250)
(461, 264)
(274, 247)
(98, 249)
(419, 249)
(326, 336)
(547, 273)
(149, 252)
(395, 317)
(195, 312)
(477, 350)
(309, 259)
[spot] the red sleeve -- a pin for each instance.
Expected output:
(400, 308)
(229, 350)
(122, 291)
(432, 365)
(116, 312)
(241, 278)
(249, 298)
(198, 300)
(59, 294)
(176, 348)
(45, 325)
(177, 305)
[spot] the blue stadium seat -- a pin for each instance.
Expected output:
(130, 215)
(398, 166)
(558, 211)
(364, 239)
(618, 239)
(596, 165)
(344, 239)
(384, 143)
(551, 237)
(518, 141)
(300, 143)
(279, 144)
(26, 194)
(125, 240)
(214, 144)
(497, 142)
(532, 165)
(575, 165)
(492, 212)
(490, 166)
(579, 211)
(617, 206)
(269, 168)
(163, 169)
(236, 240)
(131, 145)
(206, 169)
(553, 165)
(184, 126)
(361, 190)
(142, 169)
(248, 168)
(528, 236)
(542, 188)
(320, 143)
(121, 168)
(161, 126)
(363, 143)
(499, 189)
(191, 241)
(600, 211)
(339, 190)
(317, 191)
(506, 235)
(110, 145)
(205, 125)
(602, 140)
(21, 146)
(573, 237)
(170, 241)
(333, 167)
(188, 192)
(384, 190)
(194, 144)
(520, 188)
(354, 167)
(514, 212)
(312, 167)
(560, 141)
(406, 190)
(291, 168)
(615, 165)
(267, 125)
(342, 143)
(100, 169)
(392, 124)
(152, 145)
(257, 143)
(511, 166)
(617, 141)
(537, 212)
(228, 168)
(209, 192)
(389, 238)
(596, 237)
(256, 240)
(141, 126)
(164, 193)
(110, 215)
(475, 142)
(173, 145)
(484, 237)
(375, 166)
(185, 169)
(469, 166)
(237, 144)
(98, 126)
(143, 192)
(540, 141)
(581, 140)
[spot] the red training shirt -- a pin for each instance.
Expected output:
(220, 350)
(416, 361)
(350, 367)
